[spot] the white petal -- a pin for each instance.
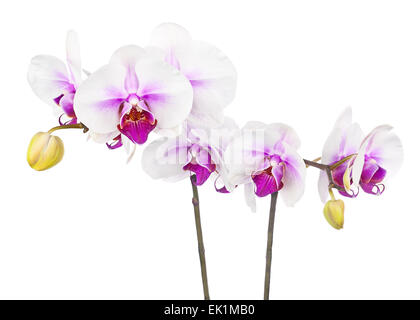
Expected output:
(48, 78)
(165, 158)
(250, 198)
(323, 185)
(284, 133)
(74, 59)
(386, 148)
(128, 56)
(345, 119)
(170, 35)
(98, 98)
(342, 142)
(294, 178)
(167, 92)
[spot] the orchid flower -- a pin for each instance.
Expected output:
(131, 96)
(356, 160)
(54, 82)
(195, 152)
(211, 73)
(264, 158)
(381, 153)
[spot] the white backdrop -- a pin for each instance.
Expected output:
(94, 227)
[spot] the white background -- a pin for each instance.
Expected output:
(94, 227)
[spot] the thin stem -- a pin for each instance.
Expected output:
(269, 255)
(70, 126)
(328, 170)
(201, 251)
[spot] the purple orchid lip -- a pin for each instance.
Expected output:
(136, 124)
(202, 173)
(269, 180)
(372, 176)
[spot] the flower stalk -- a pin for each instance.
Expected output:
(269, 255)
(201, 251)
(70, 126)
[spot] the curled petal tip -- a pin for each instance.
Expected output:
(44, 151)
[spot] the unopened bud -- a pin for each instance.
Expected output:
(44, 151)
(334, 213)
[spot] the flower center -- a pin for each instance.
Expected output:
(136, 122)
(270, 178)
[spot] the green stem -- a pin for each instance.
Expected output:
(269, 255)
(70, 126)
(201, 251)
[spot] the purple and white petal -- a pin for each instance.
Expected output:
(48, 78)
(294, 177)
(167, 92)
(165, 158)
(386, 148)
(98, 99)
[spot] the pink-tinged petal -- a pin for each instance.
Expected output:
(278, 173)
(136, 123)
(250, 196)
(166, 91)
(48, 78)
(128, 57)
(385, 148)
(66, 103)
(202, 173)
(165, 159)
(74, 59)
(98, 99)
(294, 177)
(282, 133)
(204, 159)
(344, 139)
(213, 78)
(323, 185)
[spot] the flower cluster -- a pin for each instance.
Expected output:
(178, 88)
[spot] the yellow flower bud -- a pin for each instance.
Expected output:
(334, 213)
(44, 151)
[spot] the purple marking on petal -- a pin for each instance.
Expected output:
(136, 124)
(109, 104)
(265, 183)
(57, 100)
(338, 174)
(155, 97)
(379, 175)
(199, 83)
(369, 169)
(352, 195)
(278, 173)
(172, 59)
(131, 82)
(115, 144)
(372, 188)
(201, 173)
(66, 103)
